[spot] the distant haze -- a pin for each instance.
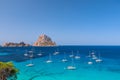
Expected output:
(67, 22)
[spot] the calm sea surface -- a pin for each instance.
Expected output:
(108, 69)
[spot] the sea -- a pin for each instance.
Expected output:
(107, 69)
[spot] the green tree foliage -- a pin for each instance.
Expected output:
(8, 71)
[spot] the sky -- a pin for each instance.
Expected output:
(67, 22)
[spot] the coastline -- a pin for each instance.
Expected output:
(64, 46)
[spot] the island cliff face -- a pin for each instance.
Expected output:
(11, 44)
(44, 40)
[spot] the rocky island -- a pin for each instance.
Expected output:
(44, 40)
(11, 44)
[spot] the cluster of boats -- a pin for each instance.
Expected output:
(92, 56)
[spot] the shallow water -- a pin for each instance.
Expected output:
(109, 69)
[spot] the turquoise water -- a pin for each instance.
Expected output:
(109, 69)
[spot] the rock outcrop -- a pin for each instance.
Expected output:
(44, 40)
(11, 44)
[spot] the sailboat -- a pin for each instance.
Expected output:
(89, 55)
(40, 54)
(99, 60)
(49, 60)
(30, 64)
(56, 52)
(26, 53)
(31, 57)
(93, 52)
(90, 61)
(77, 56)
(72, 66)
(94, 57)
(64, 59)
(71, 55)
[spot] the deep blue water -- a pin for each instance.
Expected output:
(109, 69)
(111, 52)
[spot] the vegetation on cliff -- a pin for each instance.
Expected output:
(8, 71)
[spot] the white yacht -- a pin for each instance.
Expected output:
(89, 55)
(64, 59)
(71, 56)
(30, 64)
(40, 54)
(94, 57)
(93, 53)
(90, 62)
(77, 56)
(30, 55)
(72, 66)
(99, 59)
(49, 60)
(56, 53)
(26, 53)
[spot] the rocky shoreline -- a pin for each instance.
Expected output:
(43, 40)
(11, 44)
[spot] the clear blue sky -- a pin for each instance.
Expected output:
(73, 22)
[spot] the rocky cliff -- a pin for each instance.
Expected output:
(11, 44)
(44, 40)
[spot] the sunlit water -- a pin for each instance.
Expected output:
(109, 69)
